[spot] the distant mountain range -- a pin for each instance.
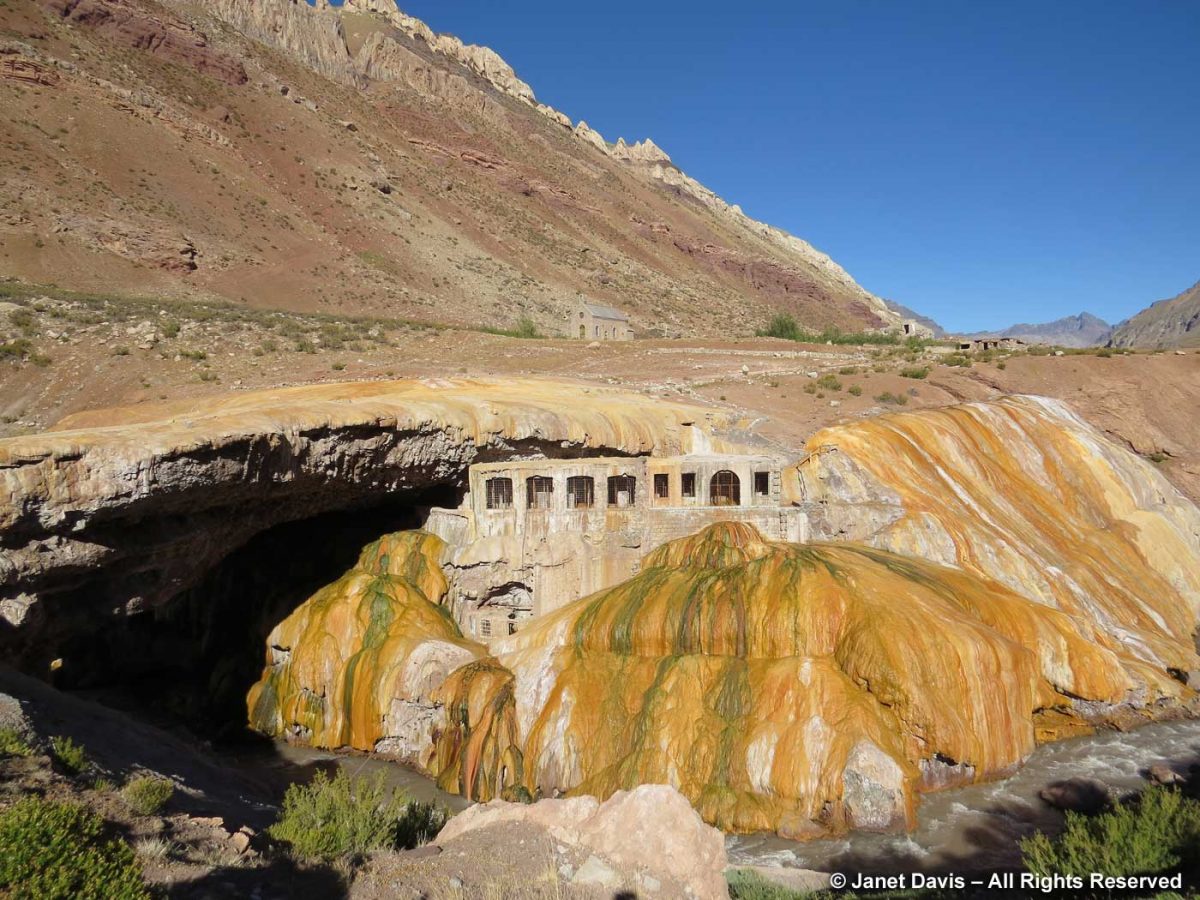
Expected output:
(1083, 330)
(1167, 323)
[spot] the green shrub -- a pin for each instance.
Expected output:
(917, 372)
(829, 382)
(147, 795)
(58, 851)
(745, 884)
(891, 399)
(70, 755)
(1104, 352)
(525, 328)
(14, 743)
(1152, 834)
(1002, 365)
(24, 319)
(957, 359)
(345, 817)
(420, 823)
(855, 390)
(21, 348)
(782, 326)
(1157, 457)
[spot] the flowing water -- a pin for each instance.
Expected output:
(976, 828)
(970, 829)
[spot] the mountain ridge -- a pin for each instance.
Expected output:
(352, 161)
(1081, 330)
(1174, 322)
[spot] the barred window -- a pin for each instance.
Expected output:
(539, 492)
(581, 492)
(725, 489)
(622, 490)
(499, 493)
(688, 484)
(662, 488)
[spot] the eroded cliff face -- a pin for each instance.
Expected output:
(999, 575)
(1023, 492)
(123, 510)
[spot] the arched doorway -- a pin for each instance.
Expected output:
(725, 489)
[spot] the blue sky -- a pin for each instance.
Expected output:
(984, 163)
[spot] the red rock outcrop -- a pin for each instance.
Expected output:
(168, 38)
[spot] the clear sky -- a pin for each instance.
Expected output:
(982, 162)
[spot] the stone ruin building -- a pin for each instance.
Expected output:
(596, 322)
(533, 535)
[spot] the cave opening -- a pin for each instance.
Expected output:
(188, 664)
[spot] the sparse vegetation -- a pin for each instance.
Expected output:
(147, 794)
(1154, 833)
(346, 817)
(918, 372)
(855, 390)
(829, 382)
(887, 397)
(960, 360)
(68, 754)
(14, 743)
(525, 328)
(785, 326)
(59, 851)
(745, 884)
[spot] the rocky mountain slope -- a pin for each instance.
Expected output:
(347, 159)
(1083, 330)
(1167, 323)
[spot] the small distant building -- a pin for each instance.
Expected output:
(597, 322)
(999, 343)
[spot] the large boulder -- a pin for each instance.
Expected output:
(650, 833)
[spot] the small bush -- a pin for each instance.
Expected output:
(1157, 457)
(420, 824)
(338, 367)
(891, 399)
(848, 370)
(343, 817)
(21, 348)
(1152, 834)
(70, 755)
(1104, 352)
(917, 372)
(745, 884)
(147, 795)
(1002, 365)
(855, 390)
(829, 382)
(58, 851)
(957, 359)
(782, 326)
(14, 743)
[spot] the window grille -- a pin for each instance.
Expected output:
(689, 484)
(581, 492)
(539, 492)
(725, 489)
(662, 490)
(499, 493)
(622, 490)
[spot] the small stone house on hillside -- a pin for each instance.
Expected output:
(1003, 343)
(596, 322)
